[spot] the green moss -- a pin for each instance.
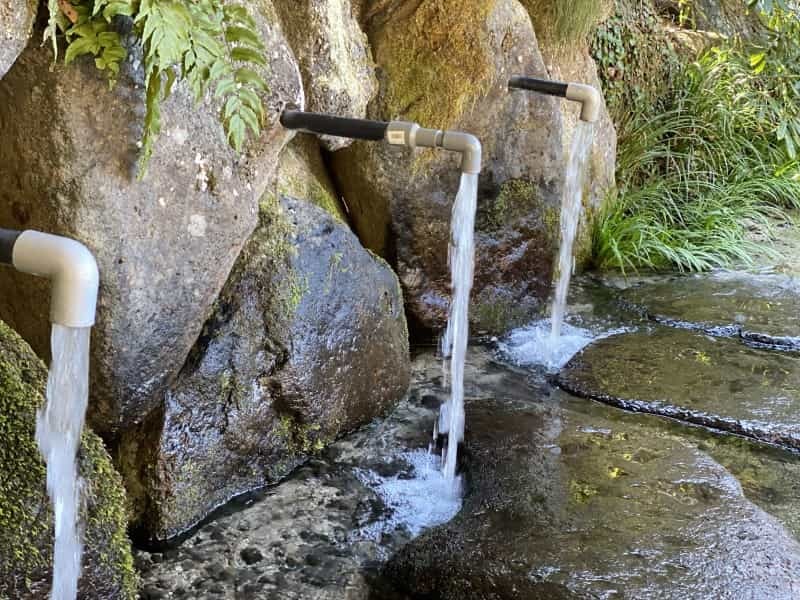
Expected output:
(514, 201)
(302, 438)
(25, 514)
(439, 45)
(498, 315)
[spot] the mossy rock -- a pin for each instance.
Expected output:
(26, 530)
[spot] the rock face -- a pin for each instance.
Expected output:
(302, 174)
(446, 65)
(563, 503)
(165, 245)
(692, 377)
(335, 58)
(16, 21)
(26, 520)
(307, 341)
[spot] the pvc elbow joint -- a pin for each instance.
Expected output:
(70, 267)
(590, 100)
(402, 133)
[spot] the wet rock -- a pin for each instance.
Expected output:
(401, 203)
(308, 341)
(26, 519)
(334, 56)
(16, 22)
(558, 507)
(761, 309)
(251, 556)
(714, 382)
(165, 245)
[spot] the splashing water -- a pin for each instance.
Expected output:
(58, 433)
(534, 344)
(570, 215)
(409, 498)
(456, 336)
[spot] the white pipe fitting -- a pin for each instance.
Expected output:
(402, 133)
(590, 99)
(70, 267)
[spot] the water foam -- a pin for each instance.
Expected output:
(415, 503)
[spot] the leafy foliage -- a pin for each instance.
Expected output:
(211, 44)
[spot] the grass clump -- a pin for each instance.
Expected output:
(560, 24)
(696, 180)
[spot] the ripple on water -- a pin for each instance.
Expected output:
(415, 502)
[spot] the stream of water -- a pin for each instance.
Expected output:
(570, 216)
(456, 336)
(58, 432)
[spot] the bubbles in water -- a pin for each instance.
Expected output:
(534, 344)
(425, 499)
(58, 433)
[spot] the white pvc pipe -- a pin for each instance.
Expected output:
(590, 99)
(70, 267)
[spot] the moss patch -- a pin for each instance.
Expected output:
(435, 61)
(25, 513)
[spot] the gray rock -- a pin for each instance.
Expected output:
(16, 22)
(307, 341)
(449, 69)
(335, 58)
(165, 245)
(302, 174)
(26, 517)
(696, 378)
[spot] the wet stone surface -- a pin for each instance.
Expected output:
(571, 499)
(564, 498)
(762, 309)
(697, 378)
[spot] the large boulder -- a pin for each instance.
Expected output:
(335, 58)
(26, 518)
(165, 245)
(446, 65)
(16, 22)
(308, 340)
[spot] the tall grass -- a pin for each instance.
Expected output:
(695, 181)
(561, 24)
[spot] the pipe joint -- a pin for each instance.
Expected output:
(402, 133)
(71, 268)
(590, 99)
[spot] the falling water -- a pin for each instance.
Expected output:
(570, 215)
(454, 342)
(58, 433)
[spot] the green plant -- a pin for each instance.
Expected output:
(563, 24)
(211, 44)
(695, 180)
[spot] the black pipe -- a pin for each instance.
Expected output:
(357, 129)
(8, 238)
(543, 86)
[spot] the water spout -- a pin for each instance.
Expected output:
(462, 244)
(59, 424)
(588, 97)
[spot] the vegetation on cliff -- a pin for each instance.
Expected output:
(708, 162)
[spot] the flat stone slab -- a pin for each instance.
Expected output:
(761, 309)
(563, 505)
(693, 377)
